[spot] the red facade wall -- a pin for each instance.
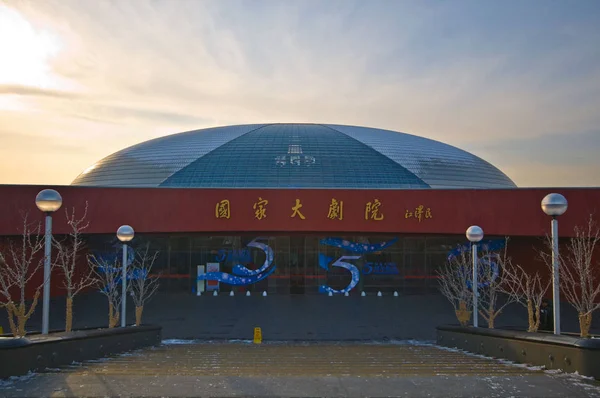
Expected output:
(513, 212)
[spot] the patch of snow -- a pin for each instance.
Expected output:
(7, 383)
(178, 341)
(99, 360)
(575, 378)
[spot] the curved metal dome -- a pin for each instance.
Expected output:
(294, 156)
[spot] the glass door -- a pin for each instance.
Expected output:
(297, 266)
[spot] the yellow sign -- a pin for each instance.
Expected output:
(260, 208)
(419, 213)
(336, 210)
(222, 209)
(257, 336)
(296, 210)
(373, 211)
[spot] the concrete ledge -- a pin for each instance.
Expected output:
(567, 353)
(18, 356)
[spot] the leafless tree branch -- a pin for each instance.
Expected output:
(492, 278)
(16, 272)
(453, 284)
(108, 274)
(528, 289)
(68, 253)
(141, 285)
(579, 273)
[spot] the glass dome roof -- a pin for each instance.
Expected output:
(294, 156)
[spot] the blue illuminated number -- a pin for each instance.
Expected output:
(353, 271)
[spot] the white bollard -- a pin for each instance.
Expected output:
(330, 294)
(215, 293)
(379, 294)
(264, 293)
(198, 293)
(395, 294)
(248, 293)
(231, 293)
(346, 294)
(363, 294)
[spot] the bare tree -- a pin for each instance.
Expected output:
(141, 285)
(16, 273)
(69, 251)
(109, 277)
(579, 273)
(528, 289)
(454, 277)
(492, 278)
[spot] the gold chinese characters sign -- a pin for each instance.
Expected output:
(373, 210)
(420, 212)
(223, 209)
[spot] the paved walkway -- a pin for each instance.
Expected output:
(278, 369)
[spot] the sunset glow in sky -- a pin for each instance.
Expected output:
(514, 82)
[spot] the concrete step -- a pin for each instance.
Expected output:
(227, 359)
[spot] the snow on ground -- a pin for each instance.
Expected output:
(183, 342)
(178, 342)
(8, 383)
(575, 378)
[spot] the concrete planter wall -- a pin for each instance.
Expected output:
(566, 353)
(18, 356)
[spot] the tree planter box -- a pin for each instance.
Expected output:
(18, 356)
(567, 353)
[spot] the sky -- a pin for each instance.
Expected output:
(514, 82)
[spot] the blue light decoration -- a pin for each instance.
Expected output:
(113, 257)
(242, 275)
(110, 257)
(362, 248)
(488, 261)
(324, 263)
(380, 269)
(355, 247)
(132, 274)
(490, 245)
(241, 255)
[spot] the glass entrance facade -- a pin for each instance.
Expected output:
(294, 264)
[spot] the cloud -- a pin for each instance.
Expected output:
(471, 74)
(570, 158)
(17, 89)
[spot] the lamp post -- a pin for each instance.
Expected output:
(125, 234)
(48, 201)
(474, 234)
(554, 205)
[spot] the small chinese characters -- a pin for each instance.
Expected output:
(420, 212)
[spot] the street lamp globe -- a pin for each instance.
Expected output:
(48, 200)
(554, 204)
(474, 233)
(125, 233)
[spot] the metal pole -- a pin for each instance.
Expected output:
(474, 250)
(47, 258)
(555, 276)
(124, 286)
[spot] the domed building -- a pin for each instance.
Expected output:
(298, 209)
(294, 156)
